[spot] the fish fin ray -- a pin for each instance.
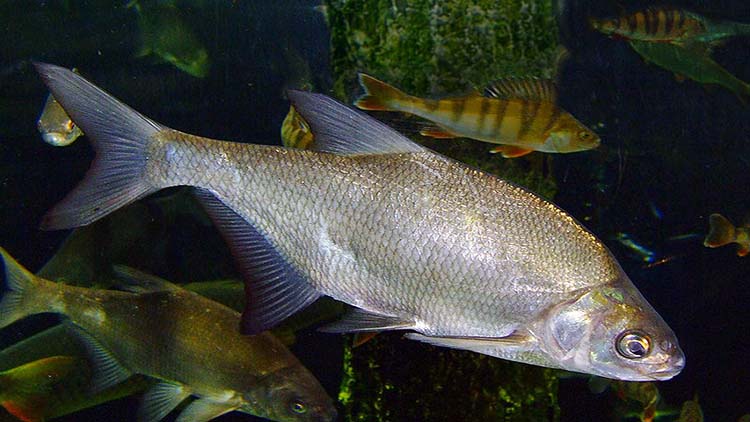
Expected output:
(274, 289)
(378, 94)
(522, 88)
(339, 129)
(363, 337)
(360, 320)
(106, 371)
(160, 400)
(511, 151)
(204, 409)
(437, 132)
(119, 135)
(721, 231)
(475, 344)
(18, 286)
(137, 281)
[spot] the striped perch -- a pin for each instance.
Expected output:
(519, 114)
(653, 24)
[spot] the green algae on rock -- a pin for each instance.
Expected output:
(391, 379)
(429, 47)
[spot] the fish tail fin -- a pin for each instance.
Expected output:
(20, 294)
(24, 387)
(379, 95)
(120, 136)
(721, 232)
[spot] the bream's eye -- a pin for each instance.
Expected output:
(633, 345)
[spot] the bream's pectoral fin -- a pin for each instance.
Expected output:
(274, 289)
(203, 410)
(475, 344)
(359, 320)
(161, 399)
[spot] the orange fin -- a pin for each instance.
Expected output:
(378, 95)
(743, 250)
(510, 151)
(721, 232)
(437, 133)
(362, 338)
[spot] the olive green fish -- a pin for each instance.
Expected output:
(691, 63)
(691, 411)
(164, 33)
(414, 240)
(23, 389)
(71, 392)
(520, 114)
(189, 343)
(55, 125)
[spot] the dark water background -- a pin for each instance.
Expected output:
(672, 154)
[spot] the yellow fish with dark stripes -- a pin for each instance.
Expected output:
(295, 132)
(672, 25)
(519, 114)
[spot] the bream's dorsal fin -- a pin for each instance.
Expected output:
(342, 130)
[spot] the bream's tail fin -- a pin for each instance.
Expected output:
(721, 232)
(120, 137)
(18, 290)
(379, 95)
